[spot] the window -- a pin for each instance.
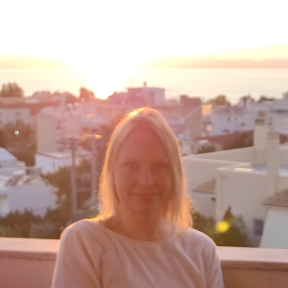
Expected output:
(258, 227)
(18, 114)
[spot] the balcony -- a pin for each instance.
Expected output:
(29, 263)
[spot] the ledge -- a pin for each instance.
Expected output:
(253, 258)
(33, 261)
(28, 248)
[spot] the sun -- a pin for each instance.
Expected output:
(103, 77)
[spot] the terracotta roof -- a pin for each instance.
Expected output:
(207, 187)
(279, 200)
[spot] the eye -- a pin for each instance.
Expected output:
(130, 165)
(160, 166)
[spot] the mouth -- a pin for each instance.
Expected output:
(144, 195)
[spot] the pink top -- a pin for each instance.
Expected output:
(91, 255)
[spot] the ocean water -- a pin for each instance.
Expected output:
(205, 83)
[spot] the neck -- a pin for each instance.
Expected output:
(143, 227)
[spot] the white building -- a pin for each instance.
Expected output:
(225, 119)
(53, 123)
(25, 190)
(7, 160)
(49, 162)
(248, 180)
(12, 115)
(140, 96)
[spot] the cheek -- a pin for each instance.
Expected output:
(164, 182)
(122, 181)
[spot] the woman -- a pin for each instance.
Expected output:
(142, 236)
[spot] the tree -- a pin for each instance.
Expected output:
(206, 149)
(21, 141)
(70, 98)
(265, 98)
(231, 231)
(60, 179)
(86, 94)
(17, 224)
(219, 100)
(245, 98)
(11, 90)
(2, 139)
(235, 235)
(241, 141)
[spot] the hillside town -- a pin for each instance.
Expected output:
(234, 156)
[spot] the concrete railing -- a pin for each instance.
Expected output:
(29, 263)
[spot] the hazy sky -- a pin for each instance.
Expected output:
(133, 31)
(112, 34)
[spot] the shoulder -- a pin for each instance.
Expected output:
(82, 231)
(197, 238)
(195, 243)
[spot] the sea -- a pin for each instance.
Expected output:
(204, 83)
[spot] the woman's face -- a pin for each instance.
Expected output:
(142, 174)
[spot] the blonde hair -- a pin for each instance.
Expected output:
(177, 210)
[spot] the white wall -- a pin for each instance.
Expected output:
(8, 163)
(275, 234)
(37, 197)
(198, 171)
(244, 192)
(241, 155)
(8, 115)
(50, 164)
(283, 155)
(204, 204)
(4, 205)
(281, 183)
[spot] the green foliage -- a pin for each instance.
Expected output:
(2, 139)
(17, 224)
(14, 231)
(45, 230)
(234, 236)
(245, 99)
(86, 94)
(265, 98)
(203, 224)
(11, 90)
(206, 149)
(60, 179)
(105, 130)
(23, 145)
(242, 140)
(219, 100)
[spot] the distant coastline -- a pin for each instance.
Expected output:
(211, 63)
(32, 62)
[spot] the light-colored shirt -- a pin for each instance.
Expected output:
(93, 256)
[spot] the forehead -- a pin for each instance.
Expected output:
(144, 144)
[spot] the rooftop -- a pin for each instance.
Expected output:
(279, 200)
(207, 187)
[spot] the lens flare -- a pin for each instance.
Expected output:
(222, 226)
(16, 132)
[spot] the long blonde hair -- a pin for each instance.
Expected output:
(177, 210)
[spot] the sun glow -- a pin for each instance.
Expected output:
(103, 78)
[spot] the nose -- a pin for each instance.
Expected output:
(145, 177)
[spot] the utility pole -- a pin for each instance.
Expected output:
(73, 146)
(94, 170)
(71, 143)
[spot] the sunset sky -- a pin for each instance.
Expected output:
(116, 34)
